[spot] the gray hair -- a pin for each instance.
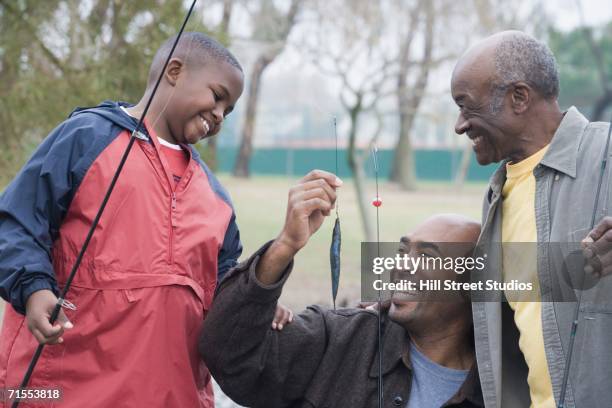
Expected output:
(193, 47)
(520, 57)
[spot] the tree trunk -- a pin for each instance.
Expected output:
(241, 169)
(464, 166)
(224, 37)
(403, 170)
(600, 107)
(356, 167)
(212, 162)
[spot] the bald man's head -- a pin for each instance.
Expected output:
(447, 228)
(442, 237)
(195, 50)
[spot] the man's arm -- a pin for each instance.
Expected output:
(257, 366)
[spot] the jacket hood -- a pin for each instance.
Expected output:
(111, 111)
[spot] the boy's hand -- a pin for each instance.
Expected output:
(385, 305)
(39, 307)
(283, 316)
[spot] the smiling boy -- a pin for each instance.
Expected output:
(167, 236)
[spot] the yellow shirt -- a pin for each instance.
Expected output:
(520, 262)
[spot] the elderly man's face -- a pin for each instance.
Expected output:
(416, 308)
(490, 132)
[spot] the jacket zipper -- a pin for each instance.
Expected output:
(171, 235)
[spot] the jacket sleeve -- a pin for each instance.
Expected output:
(32, 208)
(231, 249)
(255, 365)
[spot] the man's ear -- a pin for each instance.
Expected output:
(174, 69)
(521, 97)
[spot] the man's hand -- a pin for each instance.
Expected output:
(310, 201)
(39, 307)
(282, 317)
(597, 248)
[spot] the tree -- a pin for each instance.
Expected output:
(272, 27)
(56, 55)
(361, 59)
(409, 95)
(584, 56)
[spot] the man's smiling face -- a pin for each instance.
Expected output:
(437, 237)
(471, 90)
(486, 114)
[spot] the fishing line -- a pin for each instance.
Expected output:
(377, 203)
(334, 251)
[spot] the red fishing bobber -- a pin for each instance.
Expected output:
(377, 202)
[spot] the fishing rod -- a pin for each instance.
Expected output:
(135, 135)
(575, 322)
(377, 202)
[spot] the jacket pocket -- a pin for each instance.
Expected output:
(593, 380)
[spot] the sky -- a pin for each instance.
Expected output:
(566, 16)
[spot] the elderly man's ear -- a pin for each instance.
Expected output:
(521, 97)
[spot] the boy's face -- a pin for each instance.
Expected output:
(201, 98)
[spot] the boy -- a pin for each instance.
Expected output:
(167, 236)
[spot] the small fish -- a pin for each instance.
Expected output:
(334, 259)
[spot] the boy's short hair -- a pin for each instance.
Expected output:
(193, 47)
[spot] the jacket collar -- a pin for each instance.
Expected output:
(395, 341)
(396, 350)
(111, 110)
(562, 154)
(469, 390)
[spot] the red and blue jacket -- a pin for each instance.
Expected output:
(146, 280)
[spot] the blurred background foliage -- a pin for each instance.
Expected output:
(56, 55)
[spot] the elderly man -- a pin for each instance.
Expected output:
(329, 358)
(506, 88)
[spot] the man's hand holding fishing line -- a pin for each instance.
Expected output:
(309, 202)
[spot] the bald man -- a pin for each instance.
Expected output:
(328, 358)
(544, 191)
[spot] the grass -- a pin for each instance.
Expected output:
(260, 207)
(261, 202)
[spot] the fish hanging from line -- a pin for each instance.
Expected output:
(334, 250)
(334, 259)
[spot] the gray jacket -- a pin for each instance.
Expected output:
(566, 183)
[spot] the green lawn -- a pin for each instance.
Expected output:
(260, 206)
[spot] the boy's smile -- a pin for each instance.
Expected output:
(195, 100)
